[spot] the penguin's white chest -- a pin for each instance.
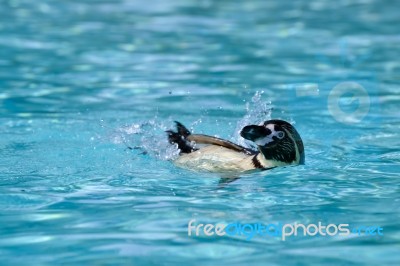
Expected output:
(214, 158)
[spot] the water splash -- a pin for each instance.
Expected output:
(148, 137)
(257, 111)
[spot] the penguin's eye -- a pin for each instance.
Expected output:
(280, 134)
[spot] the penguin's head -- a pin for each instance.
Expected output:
(277, 140)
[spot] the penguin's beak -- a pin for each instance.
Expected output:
(253, 132)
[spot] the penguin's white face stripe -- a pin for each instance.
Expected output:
(264, 141)
(269, 138)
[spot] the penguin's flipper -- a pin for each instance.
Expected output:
(204, 139)
(180, 138)
(227, 179)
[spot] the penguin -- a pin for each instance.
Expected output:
(278, 144)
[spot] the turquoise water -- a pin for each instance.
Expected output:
(82, 80)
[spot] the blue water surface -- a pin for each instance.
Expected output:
(82, 80)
